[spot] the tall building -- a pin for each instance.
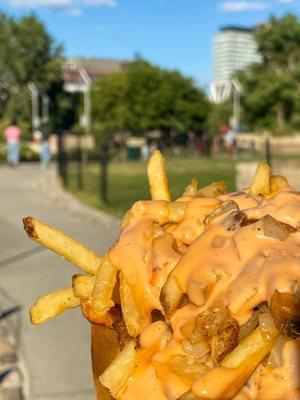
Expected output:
(92, 67)
(233, 50)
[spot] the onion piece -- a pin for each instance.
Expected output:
(275, 229)
(275, 357)
(266, 324)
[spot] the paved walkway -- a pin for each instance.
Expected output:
(56, 355)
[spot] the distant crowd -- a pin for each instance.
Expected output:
(13, 137)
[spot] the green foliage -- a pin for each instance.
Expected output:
(219, 114)
(109, 106)
(272, 96)
(279, 42)
(144, 97)
(27, 53)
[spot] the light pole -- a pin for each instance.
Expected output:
(237, 92)
(35, 121)
(86, 106)
(45, 108)
(87, 98)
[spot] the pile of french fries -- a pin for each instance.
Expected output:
(106, 295)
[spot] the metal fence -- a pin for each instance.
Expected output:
(245, 172)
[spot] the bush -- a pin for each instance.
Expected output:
(28, 153)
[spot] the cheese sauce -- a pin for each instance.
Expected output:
(232, 260)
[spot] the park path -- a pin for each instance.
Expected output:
(56, 355)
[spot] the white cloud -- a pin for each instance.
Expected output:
(286, 1)
(38, 3)
(72, 11)
(236, 6)
(106, 3)
(72, 8)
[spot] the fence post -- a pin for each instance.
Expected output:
(62, 159)
(103, 172)
(79, 163)
(268, 151)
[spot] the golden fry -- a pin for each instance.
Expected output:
(255, 345)
(236, 367)
(107, 319)
(278, 182)
(157, 177)
(61, 244)
(134, 319)
(261, 182)
(191, 189)
(82, 286)
(171, 295)
(105, 280)
(212, 190)
(117, 374)
(52, 304)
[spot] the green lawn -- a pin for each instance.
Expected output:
(128, 181)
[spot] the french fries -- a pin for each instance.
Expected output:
(134, 319)
(62, 244)
(198, 246)
(105, 279)
(171, 295)
(52, 304)
(116, 375)
(107, 319)
(261, 183)
(278, 182)
(191, 189)
(82, 286)
(212, 190)
(157, 177)
(256, 345)
(235, 369)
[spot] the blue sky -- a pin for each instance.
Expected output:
(172, 33)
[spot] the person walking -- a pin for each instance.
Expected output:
(12, 135)
(41, 136)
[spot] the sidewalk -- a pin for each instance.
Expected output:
(56, 355)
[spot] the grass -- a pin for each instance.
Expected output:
(127, 181)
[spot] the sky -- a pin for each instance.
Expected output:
(174, 34)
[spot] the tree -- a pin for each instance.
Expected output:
(27, 53)
(141, 98)
(162, 99)
(272, 89)
(144, 97)
(219, 115)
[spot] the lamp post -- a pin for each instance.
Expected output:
(82, 153)
(87, 98)
(237, 92)
(35, 121)
(45, 108)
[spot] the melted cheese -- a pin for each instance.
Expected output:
(224, 262)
